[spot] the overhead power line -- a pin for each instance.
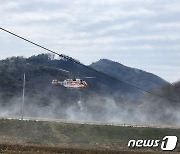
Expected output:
(90, 68)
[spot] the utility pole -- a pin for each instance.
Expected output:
(22, 103)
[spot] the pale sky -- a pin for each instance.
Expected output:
(144, 34)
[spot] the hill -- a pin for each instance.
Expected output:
(104, 99)
(137, 77)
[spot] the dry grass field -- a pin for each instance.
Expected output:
(57, 137)
(31, 149)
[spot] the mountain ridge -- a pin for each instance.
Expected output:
(107, 66)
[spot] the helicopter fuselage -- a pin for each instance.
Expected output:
(71, 83)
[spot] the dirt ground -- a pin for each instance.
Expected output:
(31, 149)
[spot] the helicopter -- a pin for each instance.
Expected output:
(75, 83)
(71, 83)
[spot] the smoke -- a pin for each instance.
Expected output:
(149, 110)
(160, 111)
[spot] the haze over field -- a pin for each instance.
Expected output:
(137, 33)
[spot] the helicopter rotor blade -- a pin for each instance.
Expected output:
(59, 69)
(62, 70)
(89, 77)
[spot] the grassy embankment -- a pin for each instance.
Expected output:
(53, 137)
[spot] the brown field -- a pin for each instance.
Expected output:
(31, 149)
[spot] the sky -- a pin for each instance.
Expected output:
(144, 34)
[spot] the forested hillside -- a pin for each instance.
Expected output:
(104, 99)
